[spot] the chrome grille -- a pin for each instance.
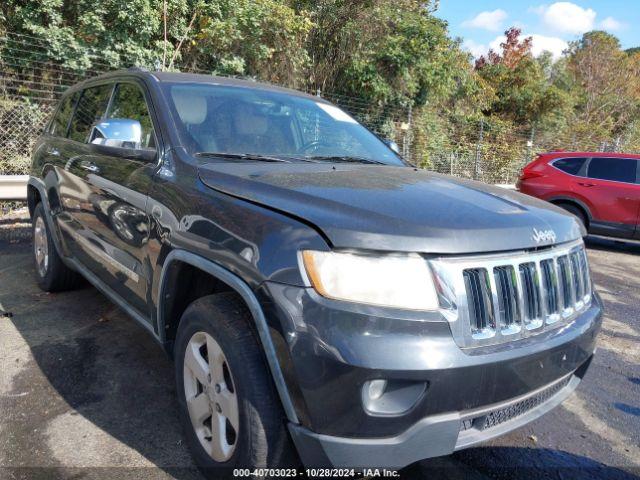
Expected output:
(531, 295)
(480, 305)
(499, 298)
(550, 286)
(564, 270)
(507, 290)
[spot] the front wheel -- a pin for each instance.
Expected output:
(229, 408)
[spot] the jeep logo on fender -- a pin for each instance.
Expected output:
(544, 236)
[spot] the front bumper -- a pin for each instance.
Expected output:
(432, 436)
(329, 350)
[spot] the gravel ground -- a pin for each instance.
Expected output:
(86, 393)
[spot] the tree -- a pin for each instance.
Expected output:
(513, 51)
(81, 35)
(257, 38)
(607, 83)
(519, 84)
(394, 52)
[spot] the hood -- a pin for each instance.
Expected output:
(396, 208)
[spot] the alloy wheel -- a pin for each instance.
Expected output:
(41, 246)
(211, 396)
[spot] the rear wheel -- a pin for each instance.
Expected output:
(229, 408)
(576, 212)
(52, 274)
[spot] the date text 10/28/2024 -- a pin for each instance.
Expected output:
(316, 472)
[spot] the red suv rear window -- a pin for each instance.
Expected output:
(570, 165)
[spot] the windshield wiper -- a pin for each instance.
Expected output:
(344, 159)
(243, 156)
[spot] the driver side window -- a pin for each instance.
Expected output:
(128, 116)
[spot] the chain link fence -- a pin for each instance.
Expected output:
(32, 79)
(21, 121)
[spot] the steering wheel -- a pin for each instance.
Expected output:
(313, 146)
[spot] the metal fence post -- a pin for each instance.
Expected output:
(530, 144)
(476, 167)
(406, 141)
(616, 145)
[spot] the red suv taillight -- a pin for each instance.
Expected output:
(533, 170)
(528, 174)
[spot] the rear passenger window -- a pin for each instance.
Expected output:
(90, 109)
(570, 165)
(616, 169)
(63, 115)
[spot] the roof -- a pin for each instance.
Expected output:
(163, 77)
(560, 153)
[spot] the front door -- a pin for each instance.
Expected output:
(614, 195)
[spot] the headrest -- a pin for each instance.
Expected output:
(191, 107)
(249, 122)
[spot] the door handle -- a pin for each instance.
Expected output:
(89, 166)
(53, 151)
(586, 184)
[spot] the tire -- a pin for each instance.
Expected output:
(52, 275)
(576, 212)
(261, 439)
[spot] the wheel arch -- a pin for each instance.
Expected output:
(33, 198)
(240, 287)
(573, 201)
(36, 193)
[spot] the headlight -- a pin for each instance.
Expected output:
(400, 281)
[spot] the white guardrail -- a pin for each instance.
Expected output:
(13, 187)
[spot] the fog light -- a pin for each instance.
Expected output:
(376, 388)
(391, 397)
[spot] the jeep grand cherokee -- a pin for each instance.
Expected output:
(322, 300)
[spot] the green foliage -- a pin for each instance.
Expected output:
(394, 56)
(259, 38)
(606, 83)
(519, 85)
(389, 52)
(84, 33)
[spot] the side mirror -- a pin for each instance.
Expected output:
(121, 137)
(392, 145)
(118, 132)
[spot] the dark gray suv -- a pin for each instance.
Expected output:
(323, 301)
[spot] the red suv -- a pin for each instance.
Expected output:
(601, 189)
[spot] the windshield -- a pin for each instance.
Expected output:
(252, 122)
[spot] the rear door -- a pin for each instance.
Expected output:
(74, 165)
(565, 185)
(612, 189)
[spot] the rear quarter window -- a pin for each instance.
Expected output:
(614, 169)
(571, 166)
